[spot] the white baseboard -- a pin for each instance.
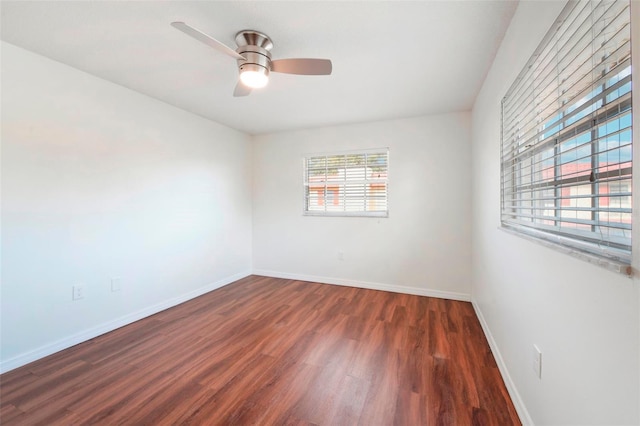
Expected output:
(525, 417)
(368, 285)
(108, 326)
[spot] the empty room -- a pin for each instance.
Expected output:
(319, 212)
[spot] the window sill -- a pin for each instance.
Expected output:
(609, 264)
(343, 214)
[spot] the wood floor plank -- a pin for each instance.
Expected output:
(170, 403)
(83, 388)
(34, 390)
(10, 413)
(273, 351)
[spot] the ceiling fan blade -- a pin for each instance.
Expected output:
(241, 90)
(302, 66)
(204, 38)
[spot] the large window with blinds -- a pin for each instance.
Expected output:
(347, 184)
(566, 152)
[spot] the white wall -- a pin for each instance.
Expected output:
(423, 247)
(97, 182)
(585, 319)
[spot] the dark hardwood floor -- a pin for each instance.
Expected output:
(270, 351)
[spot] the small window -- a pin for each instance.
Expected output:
(347, 184)
(566, 166)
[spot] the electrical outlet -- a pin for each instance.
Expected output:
(116, 284)
(340, 255)
(77, 292)
(536, 361)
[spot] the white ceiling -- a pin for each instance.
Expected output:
(391, 59)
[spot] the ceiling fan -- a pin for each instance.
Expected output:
(254, 58)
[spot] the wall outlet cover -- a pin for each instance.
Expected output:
(536, 361)
(77, 292)
(116, 284)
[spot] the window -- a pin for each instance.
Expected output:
(347, 184)
(566, 152)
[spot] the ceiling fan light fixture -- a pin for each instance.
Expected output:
(253, 56)
(254, 76)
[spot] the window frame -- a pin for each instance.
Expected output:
(537, 140)
(332, 185)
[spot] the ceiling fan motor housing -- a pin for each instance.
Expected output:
(255, 47)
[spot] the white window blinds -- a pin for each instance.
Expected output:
(566, 154)
(347, 184)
